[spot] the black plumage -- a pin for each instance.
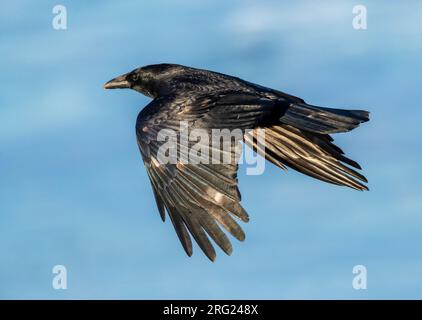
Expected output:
(201, 198)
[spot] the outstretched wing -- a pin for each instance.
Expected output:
(203, 197)
(199, 197)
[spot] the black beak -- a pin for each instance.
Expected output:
(119, 82)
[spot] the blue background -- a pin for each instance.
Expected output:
(73, 190)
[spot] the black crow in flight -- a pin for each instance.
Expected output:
(202, 197)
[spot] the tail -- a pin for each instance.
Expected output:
(323, 120)
(300, 141)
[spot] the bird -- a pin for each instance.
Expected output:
(203, 199)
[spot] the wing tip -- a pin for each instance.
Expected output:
(212, 256)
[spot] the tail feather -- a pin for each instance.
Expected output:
(313, 154)
(323, 120)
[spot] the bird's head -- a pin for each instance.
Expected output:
(147, 80)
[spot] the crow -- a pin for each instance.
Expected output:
(202, 198)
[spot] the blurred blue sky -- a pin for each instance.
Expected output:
(73, 189)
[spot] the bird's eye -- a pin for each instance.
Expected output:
(134, 77)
